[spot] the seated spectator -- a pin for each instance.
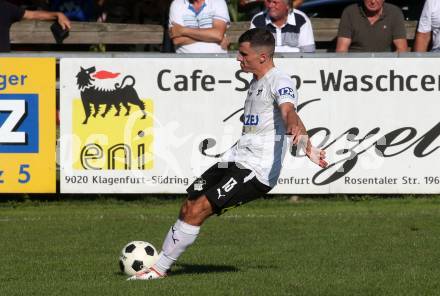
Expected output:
(371, 26)
(75, 10)
(291, 28)
(199, 26)
(10, 13)
(429, 24)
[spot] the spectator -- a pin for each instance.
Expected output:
(429, 24)
(291, 28)
(10, 13)
(199, 26)
(371, 26)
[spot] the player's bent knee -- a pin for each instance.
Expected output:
(196, 211)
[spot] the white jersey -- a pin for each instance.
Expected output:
(262, 145)
(430, 21)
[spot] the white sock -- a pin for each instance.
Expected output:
(180, 236)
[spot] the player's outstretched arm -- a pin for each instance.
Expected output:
(295, 128)
(316, 155)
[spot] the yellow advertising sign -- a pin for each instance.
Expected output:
(27, 125)
(122, 142)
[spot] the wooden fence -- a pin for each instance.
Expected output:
(38, 32)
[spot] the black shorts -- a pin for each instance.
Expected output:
(227, 185)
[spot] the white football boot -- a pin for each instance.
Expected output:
(148, 274)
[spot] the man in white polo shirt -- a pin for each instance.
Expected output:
(199, 26)
(429, 24)
(291, 28)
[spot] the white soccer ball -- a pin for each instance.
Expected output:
(137, 255)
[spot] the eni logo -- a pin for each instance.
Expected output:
(121, 94)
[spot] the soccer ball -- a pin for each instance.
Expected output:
(137, 255)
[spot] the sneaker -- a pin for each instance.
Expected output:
(148, 274)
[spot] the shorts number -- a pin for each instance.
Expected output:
(229, 185)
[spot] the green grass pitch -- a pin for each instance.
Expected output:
(268, 247)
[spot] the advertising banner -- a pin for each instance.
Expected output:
(153, 125)
(27, 125)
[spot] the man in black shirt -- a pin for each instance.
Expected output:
(10, 13)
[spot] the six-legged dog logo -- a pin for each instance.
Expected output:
(124, 94)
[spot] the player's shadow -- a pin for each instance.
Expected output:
(181, 269)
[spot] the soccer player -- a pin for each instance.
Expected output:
(251, 168)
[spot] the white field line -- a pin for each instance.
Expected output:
(227, 216)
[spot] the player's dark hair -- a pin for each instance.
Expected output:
(259, 37)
